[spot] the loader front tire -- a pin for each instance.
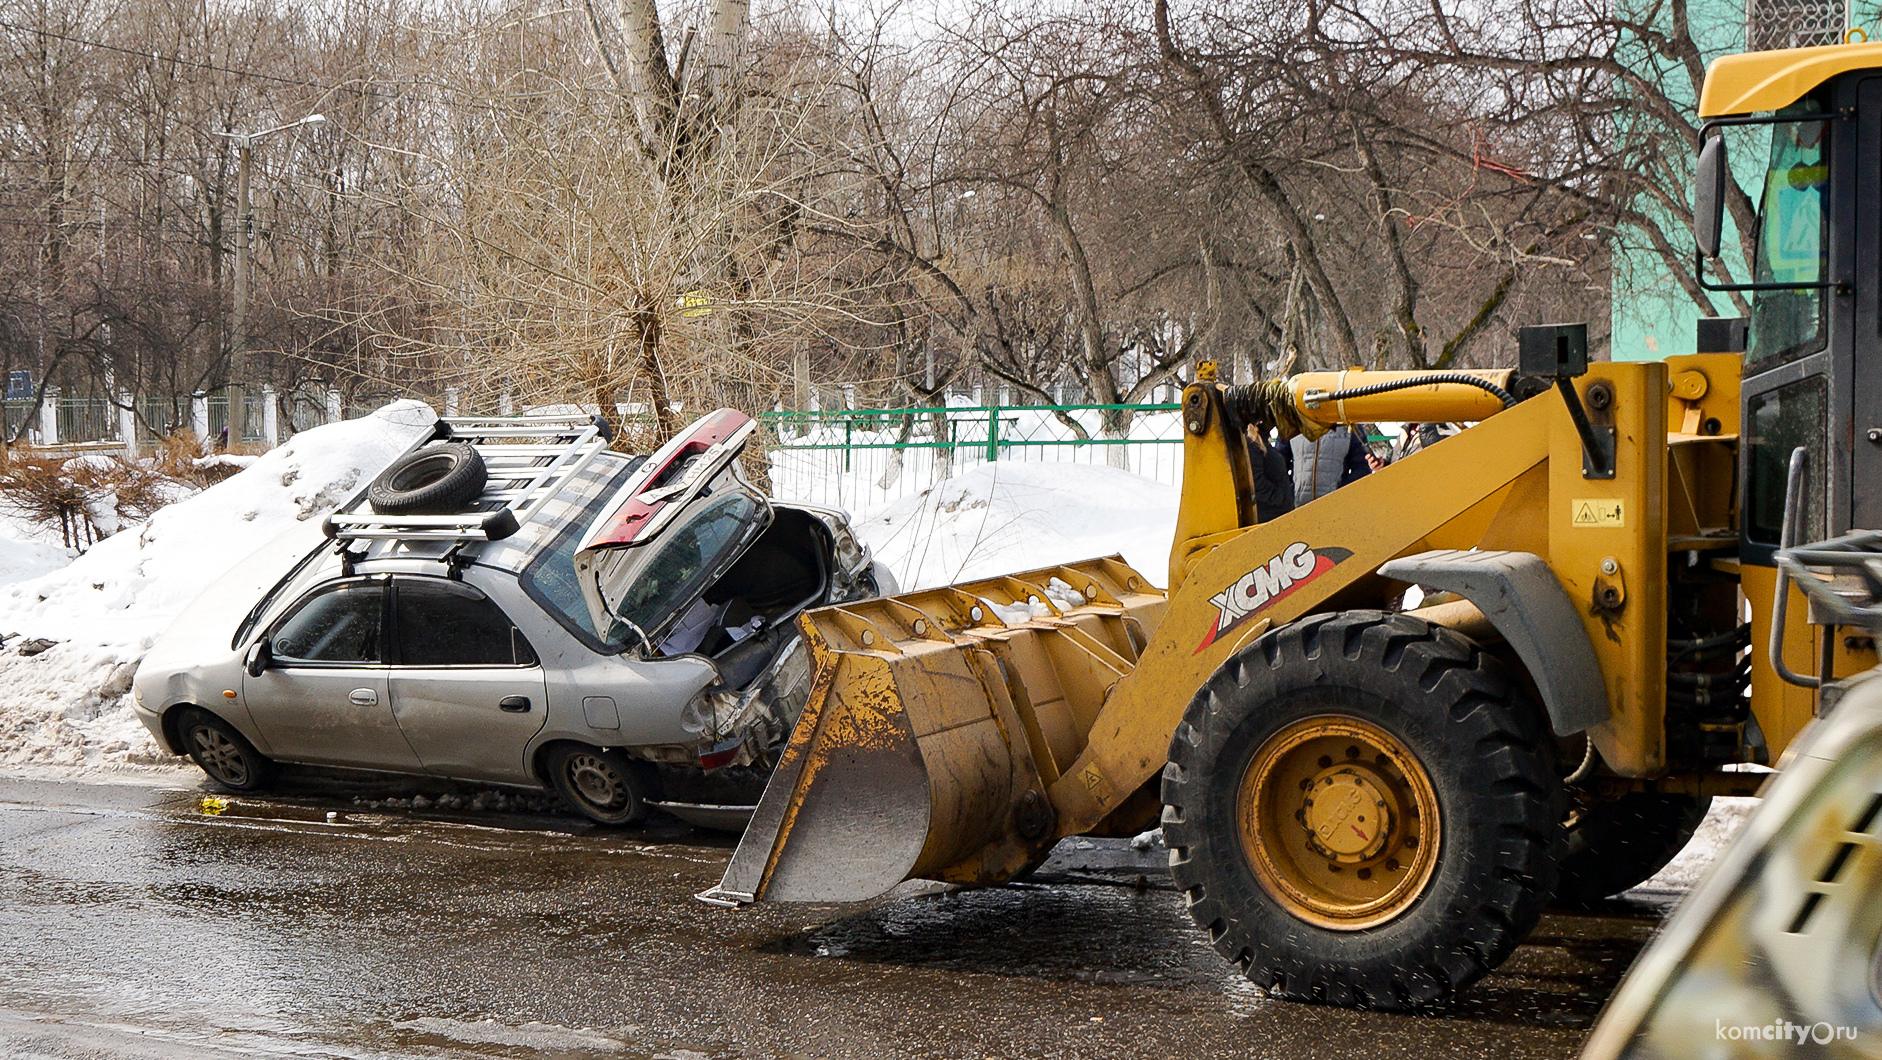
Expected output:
(1363, 809)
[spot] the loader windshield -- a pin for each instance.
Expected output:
(1792, 244)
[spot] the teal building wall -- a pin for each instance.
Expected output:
(1650, 315)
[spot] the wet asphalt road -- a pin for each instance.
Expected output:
(134, 924)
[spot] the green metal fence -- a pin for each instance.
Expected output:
(864, 460)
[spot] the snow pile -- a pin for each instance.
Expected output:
(1059, 596)
(66, 705)
(1005, 517)
(23, 559)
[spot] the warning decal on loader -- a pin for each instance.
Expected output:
(1601, 511)
(1259, 589)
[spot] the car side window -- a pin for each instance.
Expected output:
(338, 625)
(448, 623)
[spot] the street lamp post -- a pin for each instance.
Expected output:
(244, 240)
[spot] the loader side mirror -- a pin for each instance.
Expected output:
(1708, 211)
(260, 654)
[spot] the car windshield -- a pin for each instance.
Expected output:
(644, 585)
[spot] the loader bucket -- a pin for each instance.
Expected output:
(936, 722)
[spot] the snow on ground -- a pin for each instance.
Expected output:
(24, 559)
(66, 705)
(1722, 823)
(1003, 517)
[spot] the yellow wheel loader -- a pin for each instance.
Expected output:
(1370, 793)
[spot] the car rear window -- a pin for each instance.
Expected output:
(549, 577)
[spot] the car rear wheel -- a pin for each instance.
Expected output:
(601, 785)
(223, 753)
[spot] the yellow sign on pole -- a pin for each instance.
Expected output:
(695, 303)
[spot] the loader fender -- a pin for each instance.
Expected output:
(1521, 597)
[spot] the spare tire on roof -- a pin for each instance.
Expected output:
(434, 480)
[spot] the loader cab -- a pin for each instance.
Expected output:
(1812, 171)
(1800, 328)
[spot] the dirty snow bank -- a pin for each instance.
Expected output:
(1005, 517)
(66, 705)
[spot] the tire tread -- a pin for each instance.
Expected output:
(1518, 794)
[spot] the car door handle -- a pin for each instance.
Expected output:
(365, 697)
(514, 704)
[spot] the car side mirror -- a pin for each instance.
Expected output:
(1708, 211)
(260, 654)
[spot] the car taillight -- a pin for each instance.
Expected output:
(721, 754)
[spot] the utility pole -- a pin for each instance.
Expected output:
(244, 237)
(244, 249)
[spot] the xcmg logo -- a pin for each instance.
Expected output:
(1256, 591)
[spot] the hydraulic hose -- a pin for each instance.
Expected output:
(1430, 379)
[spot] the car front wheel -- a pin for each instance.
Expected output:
(603, 786)
(223, 753)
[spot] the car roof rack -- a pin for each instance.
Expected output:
(528, 459)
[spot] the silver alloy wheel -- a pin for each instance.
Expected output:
(596, 780)
(219, 756)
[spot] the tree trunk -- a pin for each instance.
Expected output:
(665, 423)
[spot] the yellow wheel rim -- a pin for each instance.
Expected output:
(1339, 821)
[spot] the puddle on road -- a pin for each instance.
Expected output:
(492, 832)
(1070, 934)
(545, 1040)
(1118, 936)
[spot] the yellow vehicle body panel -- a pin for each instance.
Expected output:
(1759, 81)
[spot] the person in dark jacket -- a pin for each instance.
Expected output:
(1274, 478)
(1326, 463)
